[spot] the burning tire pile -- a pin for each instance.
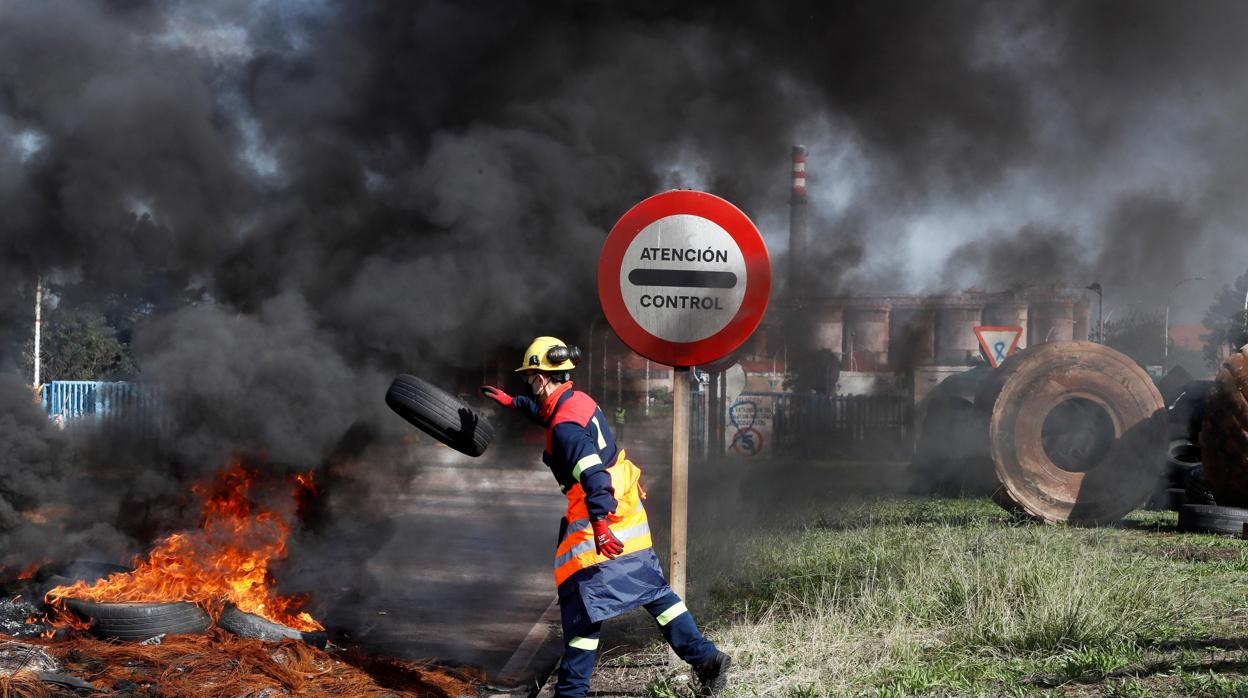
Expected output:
(174, 650)
(139, 622)
(189, 578)
(199, 617)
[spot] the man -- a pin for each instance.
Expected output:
(604, 562)
(621, 416)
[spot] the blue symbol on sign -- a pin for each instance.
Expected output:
(748, 409)
(998, 350)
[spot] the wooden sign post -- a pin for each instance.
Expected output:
(680, 478)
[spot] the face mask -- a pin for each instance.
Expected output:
(535, 385)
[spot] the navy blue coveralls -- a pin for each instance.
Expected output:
(580, 449)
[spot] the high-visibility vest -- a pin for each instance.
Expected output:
(628, 522)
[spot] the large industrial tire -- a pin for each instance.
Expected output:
(246, 624)
(440, 415)
(140, 621)
(1076, 432)
(1224, 436)
(1198, 518)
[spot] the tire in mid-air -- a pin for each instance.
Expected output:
(440, 414)
(1224, 434)
(1076, 432)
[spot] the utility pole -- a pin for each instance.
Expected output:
(647, 387)
(1165, 346)
(38, 331)
(712, 413)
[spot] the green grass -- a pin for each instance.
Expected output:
(1214, 685)
(955, 597)
(664, 687)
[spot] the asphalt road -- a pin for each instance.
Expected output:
(463, 572)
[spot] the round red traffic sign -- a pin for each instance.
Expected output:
(684, 278)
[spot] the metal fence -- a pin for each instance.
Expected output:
(70, 401)
(767, 424)
(874, 426)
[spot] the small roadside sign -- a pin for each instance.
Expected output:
(998, 343)
(684, 278)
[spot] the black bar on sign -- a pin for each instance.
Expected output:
(682, 278)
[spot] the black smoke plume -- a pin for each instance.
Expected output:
(301, 199)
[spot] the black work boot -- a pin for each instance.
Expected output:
(713, 674)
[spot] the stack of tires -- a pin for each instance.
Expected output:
(1076, 432)
(1218, 490)
(139, 622)
(1184, 482)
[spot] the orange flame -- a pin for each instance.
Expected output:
(28, 572)
(225, 561)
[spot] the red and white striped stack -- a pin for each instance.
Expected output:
(799, 173)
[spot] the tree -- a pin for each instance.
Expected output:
(1141, 336)
(1226, 321)
(82, 345)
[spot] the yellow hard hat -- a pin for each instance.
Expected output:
(549, 354)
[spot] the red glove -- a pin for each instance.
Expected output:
(496, 395)
(604, 540)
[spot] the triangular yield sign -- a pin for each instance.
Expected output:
(998, 343)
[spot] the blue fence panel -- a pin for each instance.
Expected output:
(70, 401)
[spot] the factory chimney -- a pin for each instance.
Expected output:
(797, 224)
